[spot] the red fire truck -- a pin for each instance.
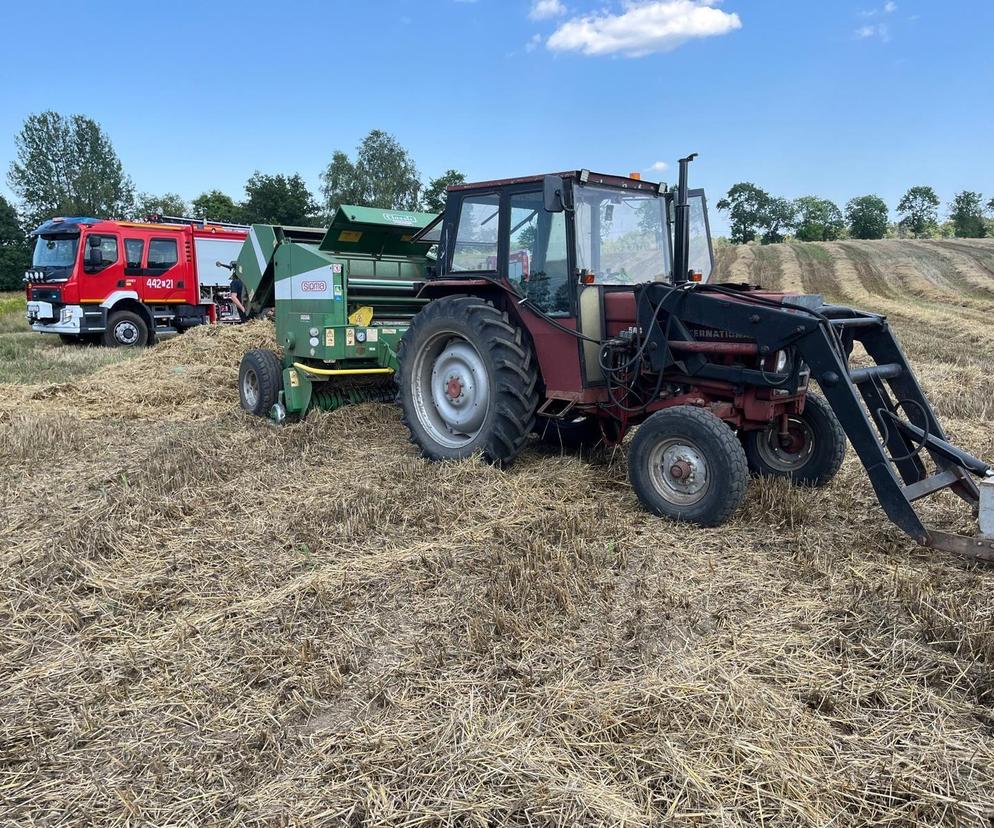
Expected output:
(124, 283)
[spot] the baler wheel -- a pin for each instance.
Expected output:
(686, 464)
(260, 379)
(813, 452)
(467, 381)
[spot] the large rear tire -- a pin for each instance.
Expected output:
(686, 464)
(260, 380)
(467, 381)
(126, 329)
(812, 453)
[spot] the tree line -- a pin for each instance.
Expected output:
(67, 166)
(755, 215)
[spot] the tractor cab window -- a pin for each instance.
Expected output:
(476, 236)
(538, 253)
(621, 237)
(162, 254)
(701, 256)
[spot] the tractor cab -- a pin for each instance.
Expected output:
(552, 236)
(569, 248)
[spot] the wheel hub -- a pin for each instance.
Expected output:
(787, 452)
(451, 389)
(679, 471)
(250, 389)
(126, 333)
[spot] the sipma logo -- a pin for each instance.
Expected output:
(400, 218)
(315, 286)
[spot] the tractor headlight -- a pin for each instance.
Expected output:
(781, 362)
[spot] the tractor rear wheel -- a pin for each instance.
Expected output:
(686, 464)
(260, 379)
(467, 381)
(811, 453)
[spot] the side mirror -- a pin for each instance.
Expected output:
(552, 194)
(95, 258)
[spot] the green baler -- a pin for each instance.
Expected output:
(343, 298)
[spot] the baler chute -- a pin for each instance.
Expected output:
(342, 298)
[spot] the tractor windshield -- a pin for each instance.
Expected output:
(621, 237)
(55, 252)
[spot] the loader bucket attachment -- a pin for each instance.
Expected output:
(882, 408)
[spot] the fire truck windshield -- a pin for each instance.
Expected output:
(55, 252)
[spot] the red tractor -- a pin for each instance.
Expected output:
(578, 305)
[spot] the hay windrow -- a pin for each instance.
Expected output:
(208, 620)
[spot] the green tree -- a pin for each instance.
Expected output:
(218, 206)
(278, 199)
(867, 217)
(435, 193)
(67, 166)
(967, 215)
(778, 220)
(168, 204)
(818, 219)
(748, 207)
(15, 248)
(382, 175)
(919, 211)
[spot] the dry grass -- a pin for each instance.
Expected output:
(208, 620)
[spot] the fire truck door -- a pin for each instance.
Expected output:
(163, 275)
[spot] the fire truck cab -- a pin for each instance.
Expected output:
(124, 283)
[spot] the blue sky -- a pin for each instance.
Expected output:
(833, 98)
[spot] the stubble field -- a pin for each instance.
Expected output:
(208, 620)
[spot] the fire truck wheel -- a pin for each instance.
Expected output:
(686, 464)
(260, 379)
(126, 329)
(467, 381)
(810, 455)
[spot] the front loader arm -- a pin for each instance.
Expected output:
(882, 408)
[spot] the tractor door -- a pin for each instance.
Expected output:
(621, 240)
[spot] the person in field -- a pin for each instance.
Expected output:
(235, 295)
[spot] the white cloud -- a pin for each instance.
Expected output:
(544, 9)
(533, 43)
(643, 27)
(659, 166)
(881, 32)
(890, 7)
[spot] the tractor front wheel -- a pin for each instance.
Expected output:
(686, 464)
(811, 452)
(467, 381)
(260, 380)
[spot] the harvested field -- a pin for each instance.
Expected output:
(205, 619)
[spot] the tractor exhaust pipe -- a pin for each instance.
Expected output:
(681, 226)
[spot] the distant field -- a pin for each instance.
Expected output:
(205, 619)
(28, 357)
